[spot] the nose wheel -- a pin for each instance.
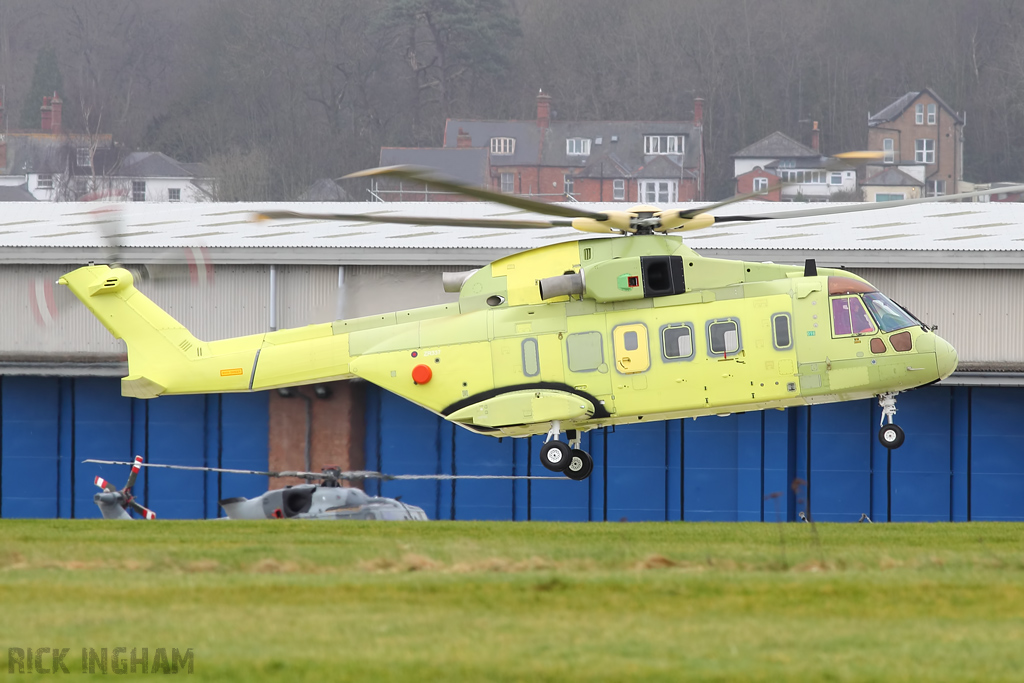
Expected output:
(569, 458)
(889, 435)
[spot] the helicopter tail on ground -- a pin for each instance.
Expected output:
(114, 503)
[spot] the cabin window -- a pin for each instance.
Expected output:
(585, 351)
(850, 317)
(531, 358)
(677, 341)
(631, 352)
(724, 337)
(888, 313)
(782, 338)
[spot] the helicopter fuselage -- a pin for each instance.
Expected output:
(582, 334)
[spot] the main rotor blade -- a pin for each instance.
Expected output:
(341, 476)
(431, 177)
(498, 223)
(865, 206)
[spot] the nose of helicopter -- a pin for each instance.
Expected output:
(945, 357)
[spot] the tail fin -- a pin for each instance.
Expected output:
(163, 356)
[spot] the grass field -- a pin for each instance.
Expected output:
(326, 601)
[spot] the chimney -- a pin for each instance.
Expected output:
(47, 115)
(56, 107)
(543, 109)
(698, 111)
(463, 140)
(815, 137)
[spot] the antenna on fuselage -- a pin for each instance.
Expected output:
(810, 268)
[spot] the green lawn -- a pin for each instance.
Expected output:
(451, 601)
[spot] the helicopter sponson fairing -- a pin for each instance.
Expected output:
(572, 336)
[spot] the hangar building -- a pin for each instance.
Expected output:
(957, 266)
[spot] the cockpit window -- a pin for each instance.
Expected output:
(850, 317)
(889, 315)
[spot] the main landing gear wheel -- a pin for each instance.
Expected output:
(555, 455)
(891, 436)
(580, 465)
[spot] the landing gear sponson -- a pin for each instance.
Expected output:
(567, 458)
(890, 435)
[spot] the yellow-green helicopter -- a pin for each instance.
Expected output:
(572, 336)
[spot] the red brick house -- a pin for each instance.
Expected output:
(654, 162)
(922, 136)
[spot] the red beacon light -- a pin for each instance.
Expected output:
(421, 374)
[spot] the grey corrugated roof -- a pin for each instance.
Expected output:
(467, 164)
(893, 177)
(775, 146)
(894, 110)
(15, 193)
(151, 165)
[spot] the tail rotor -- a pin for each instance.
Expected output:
(114, 503)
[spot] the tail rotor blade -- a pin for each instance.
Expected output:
(145, 512)
(136, 466)
(104, 484)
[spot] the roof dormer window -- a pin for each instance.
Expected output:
(503, 145)
(577, 147)
(663, 144)
(83, 157)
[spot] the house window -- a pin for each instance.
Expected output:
(889, 196)
(723, 337)
(760, 184)
(889, 149)
(659, 191)
(804, 177)
(936, 188)
(919, 114)
(663, 144)
(787, 163)
(569, 185)
(138, 190)
(45, 181)
(508, 183)
(174, 194)
(931, 114)
(503, 145)
(577, 147)
(835, 178)
(618, 189)
(924, 151)
(83, 157)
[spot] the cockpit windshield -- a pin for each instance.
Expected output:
(889, 315)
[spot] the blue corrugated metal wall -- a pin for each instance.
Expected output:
(50, 425)
(963, 460)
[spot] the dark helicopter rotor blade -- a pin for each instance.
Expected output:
(330, 475)
(865, 206)
(104, 484)
(136, 466)
(496, 223)
(431, 177)
(145, 512)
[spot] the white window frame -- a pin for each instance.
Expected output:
(658, 191)
(503, 146)
(931, 115)
(889, 149)
(508, 183)
(83, 157)
(835, 178)
(44, 181)
(935, 188)
(805, 177)
(619, 189)
(569, 184)
(664, 144)
(760, 184)
(174, 194)
(138, 190)
(919, 114)
(577, 147)
(924, 150)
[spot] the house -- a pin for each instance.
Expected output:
(655, 162)
(156, 177)
(890, 184)
(922, 136)
(778, 158)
